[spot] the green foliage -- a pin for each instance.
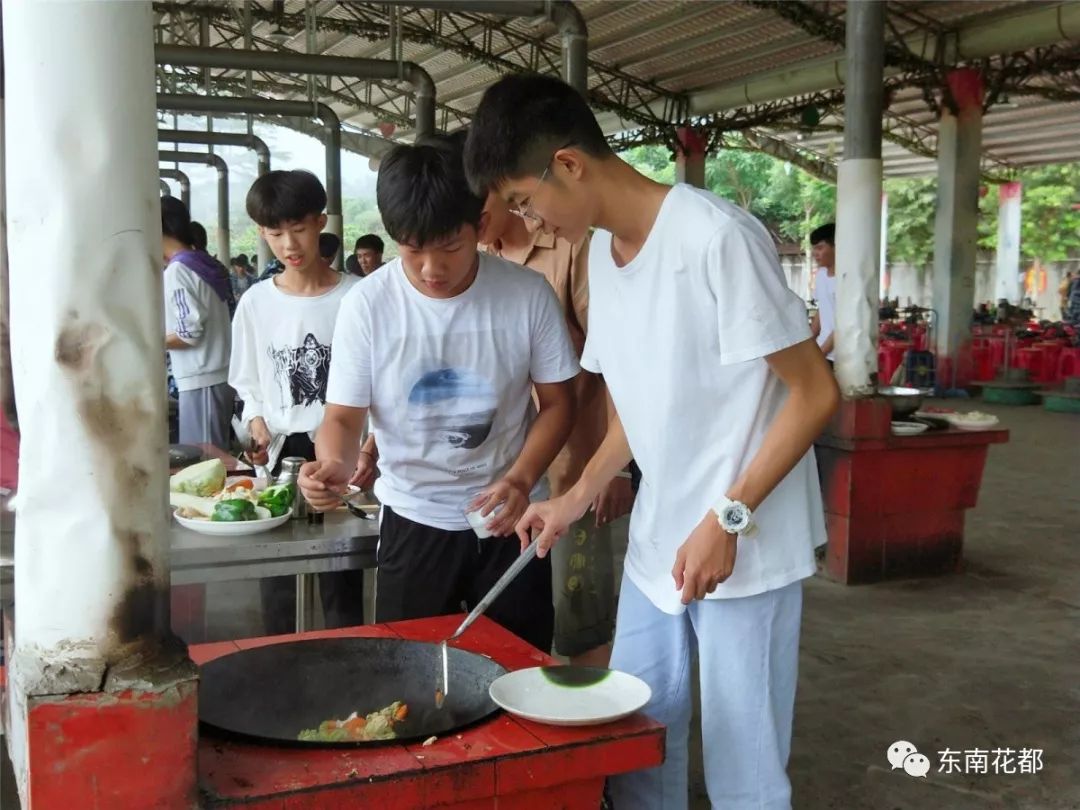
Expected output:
(788, 200)
(792, 203)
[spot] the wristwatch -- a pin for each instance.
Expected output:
(735, 517)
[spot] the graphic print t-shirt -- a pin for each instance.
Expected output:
(448, 381)
(281, 354)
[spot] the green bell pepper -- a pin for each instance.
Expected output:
(278, 498)
(234, 510)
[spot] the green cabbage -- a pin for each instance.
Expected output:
(204, 478)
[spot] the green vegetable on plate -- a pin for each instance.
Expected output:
(204, 478)
(234, 510)
(278, 498)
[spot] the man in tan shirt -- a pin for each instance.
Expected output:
(583, 567)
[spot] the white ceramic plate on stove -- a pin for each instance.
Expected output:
(570, 696)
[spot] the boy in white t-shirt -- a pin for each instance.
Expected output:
(823, 245)
(689, 287)
(281, 350)
(442, 347)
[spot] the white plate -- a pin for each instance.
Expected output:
(237, 529)
(967, 424)
(908, 428)
(534, 695)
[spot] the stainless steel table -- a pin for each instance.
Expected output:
(342, 542)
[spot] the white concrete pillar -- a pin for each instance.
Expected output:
(858, 203)
(955, 225)
(690, 158)
(1007, 275)
(91, 544)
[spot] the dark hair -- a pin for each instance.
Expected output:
(422, 193)
(826, 233)
(521, 122)
(240, 261)
(175, 220)
(328, 245)
(280, 196)
(369, 241)
(198, 236)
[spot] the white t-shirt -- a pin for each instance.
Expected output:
(448, 381)
(825, 295)
(196, 315)
(281, 354)
(680, 334)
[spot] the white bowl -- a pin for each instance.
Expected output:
(908, 428)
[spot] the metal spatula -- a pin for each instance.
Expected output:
(519, 564)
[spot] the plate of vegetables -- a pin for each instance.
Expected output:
(204, 501)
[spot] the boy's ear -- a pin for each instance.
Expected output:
(571, 161)
(322, 222)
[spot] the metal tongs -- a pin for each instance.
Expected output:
(519, 564)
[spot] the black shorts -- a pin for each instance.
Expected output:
(424, 571)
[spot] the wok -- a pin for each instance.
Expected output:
(269, 694)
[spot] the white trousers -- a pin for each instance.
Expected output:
(748, 660)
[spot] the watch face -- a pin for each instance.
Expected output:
(735, 516)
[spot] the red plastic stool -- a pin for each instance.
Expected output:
(890, 356)
(1051, 357)
(1033, 358)
(1069, 363)
(982, 366)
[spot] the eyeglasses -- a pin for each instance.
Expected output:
(524, 209)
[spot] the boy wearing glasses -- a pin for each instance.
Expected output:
(444, 347)
(687, 287)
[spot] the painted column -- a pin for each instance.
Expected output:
(885, 280)
(955, 226)
(690, 157)
(858, 203)
(1007, 274)
(91, 542)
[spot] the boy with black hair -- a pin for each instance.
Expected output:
(367, 255)
(443, 347)
(688, 286)
(823, 247)
(198, 305)
(282, 340)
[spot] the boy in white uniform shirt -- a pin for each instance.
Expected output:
(688, 286)
(823, 245)
(443, 347)
(281, 350)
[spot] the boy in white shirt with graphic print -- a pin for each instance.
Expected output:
(443, 347)
(729, 511)
(281, 350)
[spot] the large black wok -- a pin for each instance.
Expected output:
(269, 694)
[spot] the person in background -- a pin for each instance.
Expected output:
(282, 343)
(198, 306)
(719, 393)
(367, 256)
(823, 245)
(273, 267)
(583, 567)
(1063, 292)
(1072, 304)
(449, 384)
(199, 239)
(242, 276)
(329, 245)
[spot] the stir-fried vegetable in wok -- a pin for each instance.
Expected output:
(376, 726)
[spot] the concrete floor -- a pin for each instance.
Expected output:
(986, 659)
